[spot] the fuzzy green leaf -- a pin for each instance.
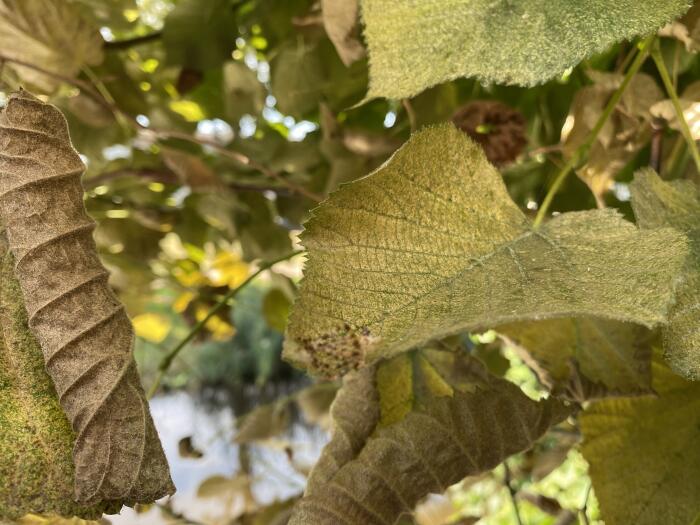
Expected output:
(657, 204)
(415, 45)
(644, 455)
(431, 244)
(461, 422)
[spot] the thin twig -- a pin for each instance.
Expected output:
(410, 113)
(240, 158)
(168, 358)
(115, 45)
(507, 478)
(119, 114)
(582, 150)
(671, 91)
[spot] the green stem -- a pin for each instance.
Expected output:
(134, 41)
(507, 479)
(168, 358)
(582, 150)
(668, 84)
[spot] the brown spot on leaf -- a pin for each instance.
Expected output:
(333, 354)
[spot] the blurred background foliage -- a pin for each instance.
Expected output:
(210, 128)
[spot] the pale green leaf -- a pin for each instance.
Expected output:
(49, 35)
(586, 357)
(644, 455)
(415, 45)
(431, 244)
(36, 440)
(376, 469)
(657, 203)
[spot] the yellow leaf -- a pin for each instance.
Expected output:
(151, 327)
(190, 111)
(227, 269)
(182, 302)
(220, 329)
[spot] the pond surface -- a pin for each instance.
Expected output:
(212, 427)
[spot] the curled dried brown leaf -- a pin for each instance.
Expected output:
(84, 332)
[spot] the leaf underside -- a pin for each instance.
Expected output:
(36, 468)
(657, 203)
(586, 357)
(83, 329)
(643, 453)
(415, 45)
(431, 244)
(373, 473)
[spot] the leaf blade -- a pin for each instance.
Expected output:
(431, 244)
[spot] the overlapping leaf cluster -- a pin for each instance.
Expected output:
(212, 127)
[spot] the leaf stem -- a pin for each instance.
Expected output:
(168, 358)
(507, 477)
(131, 42)
(673, 95)
(582, 150)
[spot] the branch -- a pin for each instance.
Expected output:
(671, 91)
(168, 358)
(582, 150)
(165, 134)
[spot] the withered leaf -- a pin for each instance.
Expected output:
(36, 468)
(84, 332)
(373, 472)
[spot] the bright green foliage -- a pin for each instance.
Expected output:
(459, 424)
(431, 244)
(586, 357)
(644, 455)
(677, 204)
(49, 35)
(36, 465)
(415, 45)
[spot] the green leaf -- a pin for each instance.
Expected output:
(586, 357)
(50, 35)
(644, 455)
(36, 441)
(200, 33)
(657, 203)
(276, 305)
(431, 244)
(415, 45)
(380, 463)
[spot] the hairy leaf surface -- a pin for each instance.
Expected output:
(431, 244)
(415, 45)
(50, 35)
(657, 203)
(644, 455)
(586, 357)
(83, 329)
(460, 421)
(36, 468)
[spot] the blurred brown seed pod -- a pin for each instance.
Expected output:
(499, 129)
